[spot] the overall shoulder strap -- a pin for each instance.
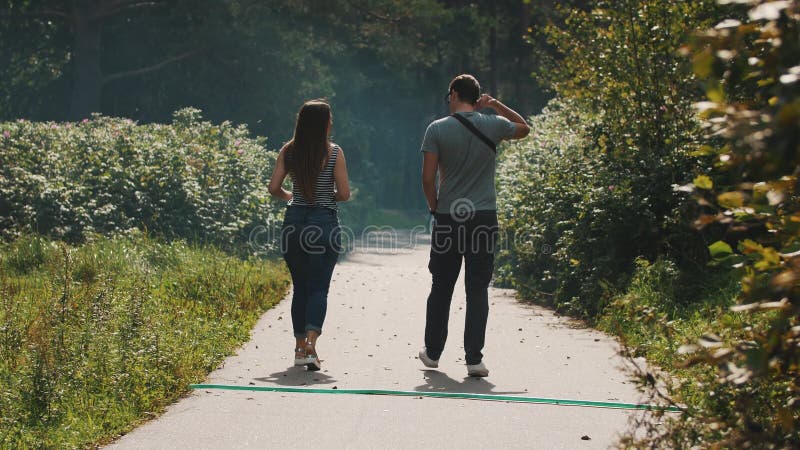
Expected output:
(476, 131)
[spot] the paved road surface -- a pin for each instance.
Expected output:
(372, 334)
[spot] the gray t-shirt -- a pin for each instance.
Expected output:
(466, 164)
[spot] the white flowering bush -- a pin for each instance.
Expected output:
(189, 179)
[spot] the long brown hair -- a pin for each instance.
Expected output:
(308, 149)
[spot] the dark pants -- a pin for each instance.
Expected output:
(473, 240)
(310, 243)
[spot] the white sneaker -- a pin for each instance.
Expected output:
(312, 361)
(423, 356)
(477, 370)
(299, 357)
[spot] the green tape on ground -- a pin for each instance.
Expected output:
(468, 396)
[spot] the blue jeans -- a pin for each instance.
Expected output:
(310, 243)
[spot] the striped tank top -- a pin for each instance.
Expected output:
(323, 190)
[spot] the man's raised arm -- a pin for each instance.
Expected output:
(521, 127)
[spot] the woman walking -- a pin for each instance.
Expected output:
(310, 237)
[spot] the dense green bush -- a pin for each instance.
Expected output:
(607, 203)
(576, 220)
(189, 179)
(593, 187)
(751, 111)
(96, 338)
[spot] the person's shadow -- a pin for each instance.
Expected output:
(297, 377)
(436, 381)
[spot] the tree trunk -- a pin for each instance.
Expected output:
(522, 79)
(87, 78)
(493, 51)
(525, 18)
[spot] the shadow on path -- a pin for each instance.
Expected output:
(297, 376)
(436, 381)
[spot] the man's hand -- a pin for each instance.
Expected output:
(486, 101)
(521, 127)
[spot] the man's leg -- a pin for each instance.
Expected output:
(479, 264)
(444, 265)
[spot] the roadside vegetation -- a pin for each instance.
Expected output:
(126, 269)
(98, 337)
(657, 197)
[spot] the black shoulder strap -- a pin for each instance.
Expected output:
(476, 132)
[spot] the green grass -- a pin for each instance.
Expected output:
(663, 309)
(97, 338)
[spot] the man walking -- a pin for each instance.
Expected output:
(461, 148)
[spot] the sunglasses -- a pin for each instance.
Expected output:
(447, 98)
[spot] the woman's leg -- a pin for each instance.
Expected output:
(322, 256)
(299, 301)
(311, 338)
(297, 262)
(319, 280)
(320, 267)
(322, 252)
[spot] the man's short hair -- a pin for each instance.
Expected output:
(467, 87)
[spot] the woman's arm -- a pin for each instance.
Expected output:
(340, 178)
(278, 175)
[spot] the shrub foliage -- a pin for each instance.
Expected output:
(599, 169)
(189, 179)
(751, 68)
(674, 143)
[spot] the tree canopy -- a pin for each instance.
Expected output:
(384, 64)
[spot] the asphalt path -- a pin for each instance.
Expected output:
(372, 334)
